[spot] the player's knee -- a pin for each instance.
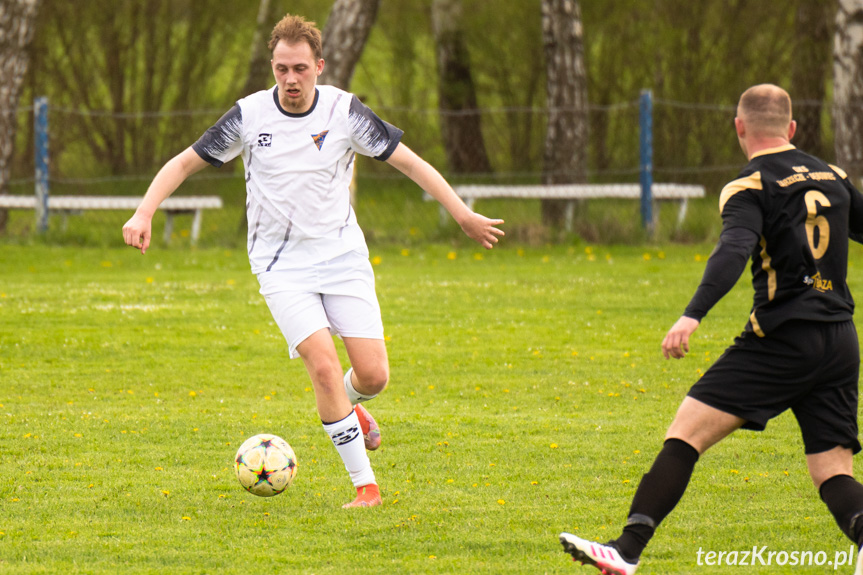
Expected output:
(326, 375)
(373, 381)
(827, 464)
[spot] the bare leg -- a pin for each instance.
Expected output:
(371, 367)
(700, 425)
(322, 362)
(822, 466)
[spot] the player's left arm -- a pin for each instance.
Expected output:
(476, 226)
(855, 215)
(855, 211)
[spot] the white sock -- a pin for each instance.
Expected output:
(348, 439)
(355, 396)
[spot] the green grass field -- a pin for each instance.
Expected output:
(528, 396)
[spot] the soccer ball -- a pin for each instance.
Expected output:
(265, 465)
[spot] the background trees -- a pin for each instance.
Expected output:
(108, 67)
(132, 81)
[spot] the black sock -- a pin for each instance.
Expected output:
(844, 498)
(658, 493)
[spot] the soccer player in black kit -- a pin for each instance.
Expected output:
(792, 214)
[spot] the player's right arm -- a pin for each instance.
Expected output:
(220, 143)
(741, 220)
(676, 342)
(723, 269)
(138, 230)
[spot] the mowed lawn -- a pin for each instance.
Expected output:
(528, 396)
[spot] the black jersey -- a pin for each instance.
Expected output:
(803, 209)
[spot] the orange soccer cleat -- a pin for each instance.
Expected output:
(371, 431)
(367, 496)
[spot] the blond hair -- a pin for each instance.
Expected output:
(292, 29)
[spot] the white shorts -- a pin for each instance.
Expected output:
(338, 294)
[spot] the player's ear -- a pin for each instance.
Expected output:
(739, 127)
(320, 67)
(792, 129)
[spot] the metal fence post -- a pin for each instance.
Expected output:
(646, 159)
(40, 119)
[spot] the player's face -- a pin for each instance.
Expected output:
(296, 72)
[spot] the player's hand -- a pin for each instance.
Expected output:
(676, 342)
(137, 232)
(482, 229)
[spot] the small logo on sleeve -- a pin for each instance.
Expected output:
(319, 138)
(265, 140)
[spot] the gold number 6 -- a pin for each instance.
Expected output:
(813, 199)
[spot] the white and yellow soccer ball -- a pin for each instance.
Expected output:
(265, 465)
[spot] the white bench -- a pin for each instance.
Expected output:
(676, 192)
(76, 204)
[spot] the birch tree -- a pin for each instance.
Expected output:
(344, 37)
(848, 86)
(565, 156)
(17, 23)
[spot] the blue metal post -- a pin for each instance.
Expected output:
(646, 162)
(40, 118)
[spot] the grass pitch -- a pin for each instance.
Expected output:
(528, 396)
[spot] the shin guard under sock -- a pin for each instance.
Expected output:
(843, 496)
(658, 493)
(348, 440)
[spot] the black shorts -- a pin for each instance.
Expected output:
(810, 367)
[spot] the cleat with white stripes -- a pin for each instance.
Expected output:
(604, 557)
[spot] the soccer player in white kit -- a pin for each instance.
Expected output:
(298, 142)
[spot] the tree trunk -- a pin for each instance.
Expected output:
(259, 75)
(344, 37)
(457, 102)
(17, 19)
(810, 66)
(565, 157)
(848, 86)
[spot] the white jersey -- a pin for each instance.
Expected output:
(298, 172)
